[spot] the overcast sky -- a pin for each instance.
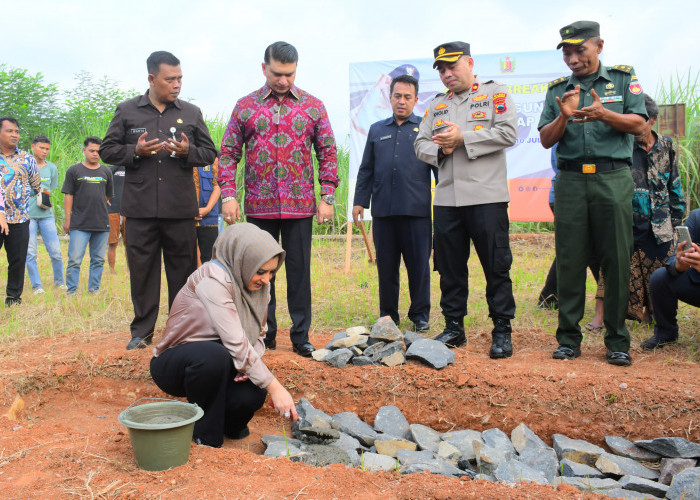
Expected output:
(221, 43)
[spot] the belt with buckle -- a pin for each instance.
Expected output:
(591, 168)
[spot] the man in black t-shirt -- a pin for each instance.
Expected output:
(116, 220)
(87, 189)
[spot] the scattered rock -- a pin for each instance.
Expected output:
(576, 450)
(350, 445)
(685, 486)
(385, 329)
(449, 453)
(361, 361)
(642, 485)
(319, 435)
(320, 354)
(389, 445)
(523, 437)
(310, 416)
(425, 437)
(281, 449)
(357, 330)
(671, 447)
(541, 459)
(622, 466)
(569, 468)
(375, 462)
(432, 352)
(351, 424)
(350, 341)
(339, 358)
(496, 438)
(273, 438)
(410, 337)
(488, 458)
(390, 349)
(390, 420)
(323, 455)
(464, 441)
(588, 484)
(371, 351)
(622, 493)
(406, 457)
(514, 471)
(669, 467)
(395, 359)
(625, 448)
(435, 467)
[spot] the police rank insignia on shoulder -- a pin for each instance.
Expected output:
(449, 96)
(556, 82)
(475, 87)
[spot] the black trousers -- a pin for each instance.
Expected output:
(666, 291)
(145, 239)
(296, 241)
(206, 236)
(410, 237)
(487, 227)
(16, 244)
(203, 372)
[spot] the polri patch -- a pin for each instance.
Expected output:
(479, 97)
(478, 114)
(137, 130)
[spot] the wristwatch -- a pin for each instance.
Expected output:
(328, 198)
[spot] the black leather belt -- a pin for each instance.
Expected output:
(591, 168)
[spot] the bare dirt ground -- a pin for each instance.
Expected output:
(68, 442)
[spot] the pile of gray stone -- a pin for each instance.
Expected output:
(665, 467)
(384, 344)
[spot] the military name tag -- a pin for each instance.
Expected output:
(137, 130)
(611, 98)
(385, 137)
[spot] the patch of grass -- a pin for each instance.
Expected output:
(339, 300)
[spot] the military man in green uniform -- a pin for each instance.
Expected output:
(593, 115)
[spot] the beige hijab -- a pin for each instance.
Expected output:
(243, 249)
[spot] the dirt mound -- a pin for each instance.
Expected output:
(67, 440)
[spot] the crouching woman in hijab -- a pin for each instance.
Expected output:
(212, 347)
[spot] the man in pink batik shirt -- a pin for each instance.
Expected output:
(278, 124)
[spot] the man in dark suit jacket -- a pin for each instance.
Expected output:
(398, 185)
(160, 140)
(678, 280)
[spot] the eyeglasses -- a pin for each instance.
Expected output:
(276, 109)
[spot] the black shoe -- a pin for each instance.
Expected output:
(270, 344)
(618, 358)
(655, 342)
(453, 334)
(139, 343)
(303, 350)
(421, 326)
(12, 301)
(566, 352)
(243, 433)
(501, 343)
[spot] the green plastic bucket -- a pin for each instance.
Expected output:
(161, 433)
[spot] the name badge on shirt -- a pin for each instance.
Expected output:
(611, 98)
(385, 137)
(137, 131)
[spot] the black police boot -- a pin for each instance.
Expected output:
(453, 334)
(501, 344)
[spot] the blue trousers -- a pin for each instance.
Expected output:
(79, 241)
(47, 228)
(666, 291)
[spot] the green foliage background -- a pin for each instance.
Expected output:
(68, 116)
